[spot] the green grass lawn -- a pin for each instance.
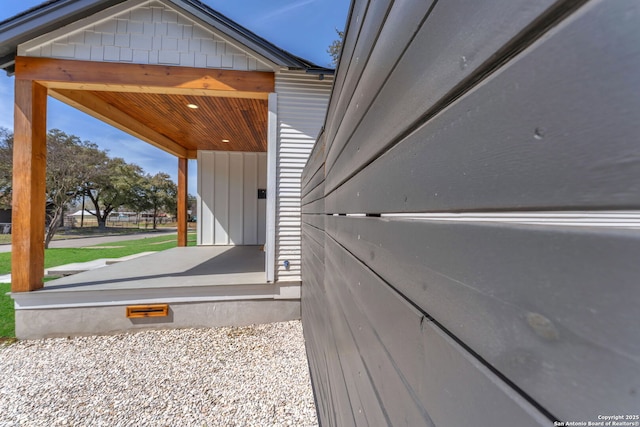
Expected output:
(56, 257)
(7, 320)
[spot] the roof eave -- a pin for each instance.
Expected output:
(251, 40)
(54, 14)
(41, 20)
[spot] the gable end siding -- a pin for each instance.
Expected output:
(148, 32)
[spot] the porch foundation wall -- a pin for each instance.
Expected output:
(51, 323)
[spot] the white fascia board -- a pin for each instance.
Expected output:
(80, 25)
(43, 17)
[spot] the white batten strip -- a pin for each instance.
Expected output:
(611, 219)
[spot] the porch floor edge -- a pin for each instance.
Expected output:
(76, 297)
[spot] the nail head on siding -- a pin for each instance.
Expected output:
(542, 326)
(463, 62)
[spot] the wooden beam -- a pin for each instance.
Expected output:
(155, 90)
(29, 175)
(183, 168)
(86, 75)
(107, 113)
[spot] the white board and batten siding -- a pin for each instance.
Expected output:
(301, 109)
(229, 211)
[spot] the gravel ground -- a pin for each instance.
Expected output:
(250, 376)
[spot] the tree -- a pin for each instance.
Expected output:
(160, 194)
(192, 205)
(70, 164)
(6, 168)
(335, 48)
(117, 183)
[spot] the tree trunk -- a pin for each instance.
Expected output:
(155, 216)
(53, 226)
(96, 206)
(102, 219)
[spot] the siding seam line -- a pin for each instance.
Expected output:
(520, 42)
(404, 51)
(471, 352)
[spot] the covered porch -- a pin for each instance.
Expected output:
(201, 286)
(186, 79)
(180, 110)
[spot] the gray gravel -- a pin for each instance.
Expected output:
(250, 376)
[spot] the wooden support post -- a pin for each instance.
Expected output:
(182, 201)
(29, 174)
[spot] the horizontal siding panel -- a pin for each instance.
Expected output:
(314, 326)
(493, 145)
(364, 400)
(302, 103)
(421, 375)
(401, 23)
(505, 145)
(541, 304)
(396, 400)
(317, 235)
(310, 99)
(323, 356)
(317, 221)
(315, 194)
(313, 268)
(311, 260)
(313, 181)
(351, 34)
(456, 39)
(315, 88)
(300, 109)
(316, 207)
(314, 167)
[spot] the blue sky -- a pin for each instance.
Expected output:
(303, 27)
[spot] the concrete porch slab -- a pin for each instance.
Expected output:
(204, 286)
(81, 267)
(190, 266)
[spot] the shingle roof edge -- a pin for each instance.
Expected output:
(53, 14)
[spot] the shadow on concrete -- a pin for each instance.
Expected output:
(174, 267)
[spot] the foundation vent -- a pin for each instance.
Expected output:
(149, 310)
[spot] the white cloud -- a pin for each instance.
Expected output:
(286, 9)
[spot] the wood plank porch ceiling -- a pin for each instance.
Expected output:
(241, 121)
(151, 102)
